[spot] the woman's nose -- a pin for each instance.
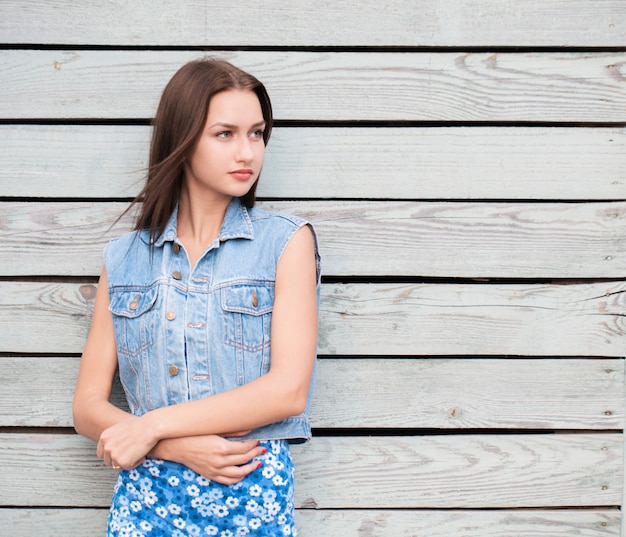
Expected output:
(244, 151)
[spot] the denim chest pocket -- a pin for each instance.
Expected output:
(133, 318)
(247, 316)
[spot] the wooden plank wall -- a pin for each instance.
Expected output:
(465, 165)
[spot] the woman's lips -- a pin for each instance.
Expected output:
(242, 175)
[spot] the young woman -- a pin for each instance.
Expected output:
(209, 310)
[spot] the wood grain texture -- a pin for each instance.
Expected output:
(430, 239)
(407, 319)
(107, 161)
(382, 393)
(466, 471)
(358, 523)
(319, 23)
(545, 87)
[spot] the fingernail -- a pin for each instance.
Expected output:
(264, 451)
(259, 465)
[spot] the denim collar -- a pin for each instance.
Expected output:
(236, 225)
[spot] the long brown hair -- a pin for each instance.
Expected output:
(176, 128)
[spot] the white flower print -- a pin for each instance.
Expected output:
(252, 506)
(154, 471)
(215, 495)
(273, 508)
(259, 504)
(220, 511)
(269, 496)
(268, 472)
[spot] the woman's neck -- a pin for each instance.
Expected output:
(199, 222)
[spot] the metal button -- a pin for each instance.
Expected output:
(134, 304)
(170, 315)
(173, 370)
(176, 248)
(176, 275)
(255, 300)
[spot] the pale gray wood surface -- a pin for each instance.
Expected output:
(559, 163)
(319, 23)
(451, 86)
(406, 319)
(361, 523)
(466, 471)
(379, 392)
(437, 239)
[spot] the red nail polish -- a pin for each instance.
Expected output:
(259, 465)
(264, 451)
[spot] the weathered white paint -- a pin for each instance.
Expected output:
(464, 471)
(319, 23)
(443, 393)
(557, 163)
(360, 523)
(377, 319)
(509, 240)
(421, 86)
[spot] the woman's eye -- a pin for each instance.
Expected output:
(223, 134)
(257, 134)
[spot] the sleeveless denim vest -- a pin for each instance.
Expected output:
(184, 334)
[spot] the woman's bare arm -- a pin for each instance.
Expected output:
(212, 456)
(279, 394)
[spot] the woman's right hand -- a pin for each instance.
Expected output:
(220, 460)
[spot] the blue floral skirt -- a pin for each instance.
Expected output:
(163, 498)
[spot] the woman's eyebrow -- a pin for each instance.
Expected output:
(230, 126)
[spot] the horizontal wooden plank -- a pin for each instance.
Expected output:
(357, 523)
(322, 23)
(467, 471)
(107, 161)
(424, 86)
(377, 319)
(508, 240)
(420, 393)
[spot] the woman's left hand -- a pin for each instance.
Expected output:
(125, 444)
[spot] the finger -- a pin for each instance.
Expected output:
(233, 474)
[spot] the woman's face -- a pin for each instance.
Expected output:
(227, 159)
